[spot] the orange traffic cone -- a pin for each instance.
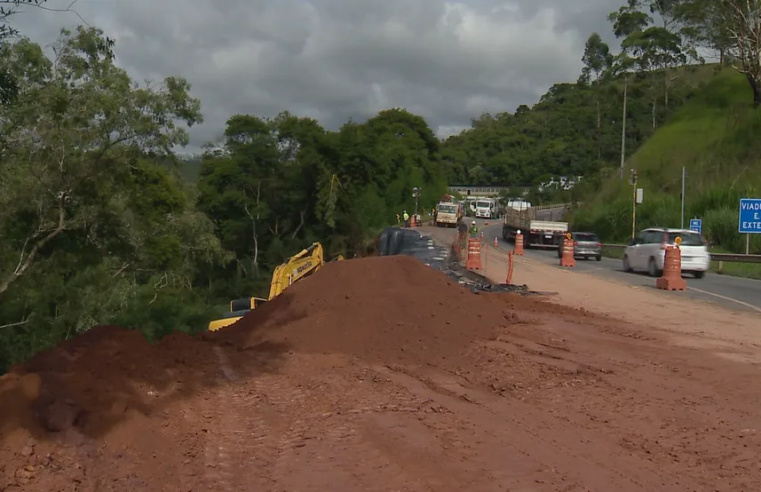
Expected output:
(567, 260)
(519, 244)
(496, 242)
(672, 270)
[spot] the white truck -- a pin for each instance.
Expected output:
(536, 233)
(486, 208)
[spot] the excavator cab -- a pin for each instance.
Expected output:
(238, 309)
(246, 304)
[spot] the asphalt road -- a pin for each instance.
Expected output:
(733, 292)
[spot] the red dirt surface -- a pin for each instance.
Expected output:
(382, 374)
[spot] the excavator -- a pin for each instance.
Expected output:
(295, 268)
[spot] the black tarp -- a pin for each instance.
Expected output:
(395, 241)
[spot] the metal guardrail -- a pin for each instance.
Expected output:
(728, 257)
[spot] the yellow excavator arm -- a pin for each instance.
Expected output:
(299, 266)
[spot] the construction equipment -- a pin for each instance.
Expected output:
(295, 268)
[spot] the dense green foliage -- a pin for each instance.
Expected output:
(558, 136)
(714, 137)
(98, 225)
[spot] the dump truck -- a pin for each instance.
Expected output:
(295, 268)
(448, 214)
(536, 233)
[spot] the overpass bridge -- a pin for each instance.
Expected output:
(478, 190)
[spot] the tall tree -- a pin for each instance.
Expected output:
(734, 27)
(702, 26)
(655, 49)
(72, 137)
(597, 61)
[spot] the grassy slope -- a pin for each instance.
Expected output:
(716, 136)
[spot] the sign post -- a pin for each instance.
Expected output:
(750, 219)
(636, 198)
(696, 225)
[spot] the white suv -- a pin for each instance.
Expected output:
(647, 251)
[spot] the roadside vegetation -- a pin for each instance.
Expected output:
(101, 225)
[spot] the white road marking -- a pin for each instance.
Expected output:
(736, 301)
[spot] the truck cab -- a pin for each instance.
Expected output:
(448, 214)
(486, 208)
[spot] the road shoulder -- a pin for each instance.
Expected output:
(688, 322)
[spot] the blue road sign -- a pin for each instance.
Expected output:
(750, 216)
(696, 225)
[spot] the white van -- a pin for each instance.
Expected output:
(647, 251)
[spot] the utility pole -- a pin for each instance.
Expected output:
(684, 180)
(623, 129)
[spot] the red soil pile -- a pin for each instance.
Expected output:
(111, 389)
(389, 309)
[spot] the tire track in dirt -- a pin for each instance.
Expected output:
(547, 453)
(323, 450)
(240, 450)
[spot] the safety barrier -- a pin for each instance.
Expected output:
(519, 244)
(728, 257)
(474, 254)
(567, 259)
(671, 279)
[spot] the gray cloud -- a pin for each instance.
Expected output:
(335, 59)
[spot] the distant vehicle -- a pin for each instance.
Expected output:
(585, 245)
(536, 233)
(486, 208)
(647, 251)
(518, 204)
(448, 214)
(470, 206)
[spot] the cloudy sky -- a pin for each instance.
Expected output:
(335, 59)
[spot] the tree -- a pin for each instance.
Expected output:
(70, 141)
(597, 61)
(703, 27)
(734, 28)
(656, 50)
(7, 9)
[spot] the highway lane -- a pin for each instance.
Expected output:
(733, 292)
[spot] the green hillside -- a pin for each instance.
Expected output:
(716, 136)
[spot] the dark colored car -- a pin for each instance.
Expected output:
(585, 245)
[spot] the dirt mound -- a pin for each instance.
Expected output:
(94, 404)
(389, 309)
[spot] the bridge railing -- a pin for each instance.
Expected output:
(727, 257)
